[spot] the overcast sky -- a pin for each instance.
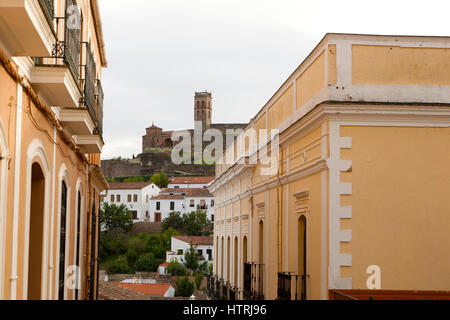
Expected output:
(161, 51)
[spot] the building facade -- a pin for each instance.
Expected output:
(189, 182)
(135, 196)
(358, 199)
(51, 111)
(181, 244)
(182, 201)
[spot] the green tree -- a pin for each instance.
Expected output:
(167, 237)
(115, 217)
(134, 179)
(160, 179)
(147, 263)
(191, 259)
(174, 221)
(198, 280)
(184, 287)
(176, 269)
(195, 223)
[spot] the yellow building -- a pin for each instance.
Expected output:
(51, 111)
(360, 197)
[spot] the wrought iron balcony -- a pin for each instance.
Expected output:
(100, 97)
(69, 49)
(90, 83)
(285, 286)
(253, 281)
(49, 9)
(218, 291)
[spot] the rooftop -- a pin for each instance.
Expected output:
(196, 241)
(148, 289)
(128, 185)
(190, 180)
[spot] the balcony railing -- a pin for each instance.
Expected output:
(286, 285)
(49, 9)
(90, 83)
(253, 281)
(100, 97)
(218, 291)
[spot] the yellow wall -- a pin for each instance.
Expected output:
(400, 206)
(400, 65)
(282, 108)
(311, 81)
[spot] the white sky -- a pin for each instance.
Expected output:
(161, 51)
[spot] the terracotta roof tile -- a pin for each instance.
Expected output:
(128, 185)
(191, 180)
(148, 289)
(196, 241)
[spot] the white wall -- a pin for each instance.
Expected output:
(181, 245)
(181, 205)
(187, 185)
(141, 205)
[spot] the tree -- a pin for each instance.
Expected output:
(176, 269)
(147, 263)
(160, 179)
(115, 217)
(167, 237)
(134, 179)
(184, 288)
(174, 221)
(198, 280)
(195, 222)
(191, 259)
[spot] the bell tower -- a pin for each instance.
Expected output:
(203, 108)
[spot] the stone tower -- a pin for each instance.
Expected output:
(203, 108)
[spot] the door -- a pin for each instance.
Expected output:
(158, 217)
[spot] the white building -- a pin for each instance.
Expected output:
(181, 200)
(189, 182)
(135, 195)
(180, 244)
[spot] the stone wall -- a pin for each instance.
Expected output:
(152, 163)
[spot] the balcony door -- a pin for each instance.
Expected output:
(302, 257)
(62, 241)
(35, 252)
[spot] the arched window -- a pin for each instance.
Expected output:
(77, 254)
(93, 247)
(62, 241)
(302, 256)
(236, 258)
(36, 232)
(228, 259)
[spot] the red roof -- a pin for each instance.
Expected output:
(196, 241)
(148, 289)
(165, 264)
(128, 185)
(191, 180)
(180, 194)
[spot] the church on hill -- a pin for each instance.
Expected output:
(156, 137)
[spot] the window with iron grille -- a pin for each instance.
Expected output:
(135, 198)
(172, 206)
(158, 205)
(129, 198)
(77, 258)
(112, 198)
(62, 240)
